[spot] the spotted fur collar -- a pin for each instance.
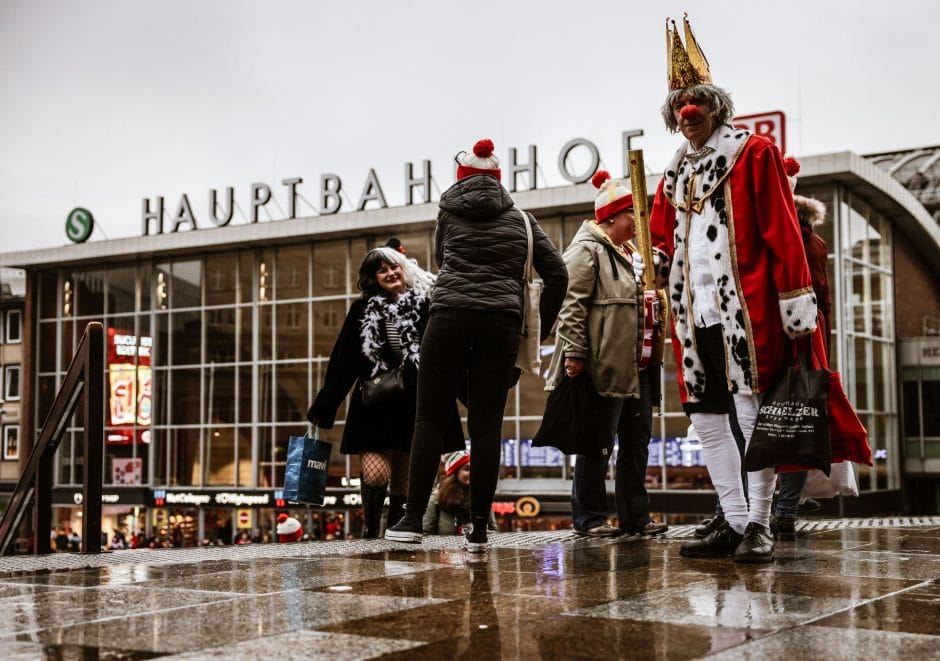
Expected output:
(709, 172)
(405, 314)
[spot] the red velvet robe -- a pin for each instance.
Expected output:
(759, 266)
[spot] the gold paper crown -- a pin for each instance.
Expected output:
(685, 65)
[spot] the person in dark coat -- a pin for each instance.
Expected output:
(382, 330)
(810, 212)
(473, 331)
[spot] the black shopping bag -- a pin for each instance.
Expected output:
(793, 421)
(308, 461)
(571, 423)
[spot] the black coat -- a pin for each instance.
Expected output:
(481, 252)
(387, 425)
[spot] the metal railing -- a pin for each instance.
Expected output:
(84, 380)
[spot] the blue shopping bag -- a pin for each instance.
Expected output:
(308, 461)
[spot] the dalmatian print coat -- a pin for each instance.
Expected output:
(759, 266)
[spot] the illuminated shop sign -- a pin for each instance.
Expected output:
(110, 496)
(130, 390)
(198, 498)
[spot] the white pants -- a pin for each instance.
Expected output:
(723, 460)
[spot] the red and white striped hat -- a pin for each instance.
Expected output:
(481, 161)
(612, 196)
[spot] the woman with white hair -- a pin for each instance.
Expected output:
(382, 332)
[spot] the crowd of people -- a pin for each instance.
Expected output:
(731, 246)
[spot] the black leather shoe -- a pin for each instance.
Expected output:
(373, 499)
(718, 544)
(783, 528)
(708, 526)
(650, 528)
(756, 546)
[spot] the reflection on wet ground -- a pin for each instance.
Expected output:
(835, 593)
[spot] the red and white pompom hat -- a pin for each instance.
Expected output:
(612, 196)
(481, 161)
(288, 528)
(792, 167)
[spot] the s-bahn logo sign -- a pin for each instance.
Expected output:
(79, 225)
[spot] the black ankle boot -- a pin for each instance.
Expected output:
(410, 529)
(476, 537)
(719, 543)
(396, 510)
(373, 499)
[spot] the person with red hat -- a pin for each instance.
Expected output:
(739, 287)
(288, 528)
(599, 336)
(449, 507)
(472, 337)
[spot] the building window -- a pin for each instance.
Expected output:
(12, 382)
(11, 442)
(14, 327)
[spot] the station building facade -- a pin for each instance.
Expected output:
(219, 338)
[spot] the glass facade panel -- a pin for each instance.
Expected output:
(221, 278)
(930, 396)
(291, 396)
(47, 342)
(89, 293)
(185, 286)
(49, 295)
(185, 405)
(246, 272)
(122, 290)
(328, 317)
(220, 335)
(265, 402)
(186, 340)
(265, 332)
(293, 272)
(220, 395)
(329, 268)
(245, 475)
(220, 457)
(912, 408)
(184, 462)
(292, 330)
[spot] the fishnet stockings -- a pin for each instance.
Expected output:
(381, 468)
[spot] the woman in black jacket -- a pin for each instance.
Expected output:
(383, 330)
(473, 332)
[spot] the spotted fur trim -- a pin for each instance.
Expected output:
(405, 313)
(709, 199)
(798, 311)
(709, 172)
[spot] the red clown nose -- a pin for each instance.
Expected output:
(690, 111)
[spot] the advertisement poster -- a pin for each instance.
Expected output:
(130, 388)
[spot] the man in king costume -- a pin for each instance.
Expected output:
(738, 285)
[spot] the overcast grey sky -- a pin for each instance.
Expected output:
(104, 103)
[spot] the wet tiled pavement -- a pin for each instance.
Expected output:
(848, 589)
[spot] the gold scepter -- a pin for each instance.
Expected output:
(644, 245)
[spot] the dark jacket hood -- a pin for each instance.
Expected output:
(477, 197)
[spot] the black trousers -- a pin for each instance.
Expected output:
(634, 431)
(477, 348)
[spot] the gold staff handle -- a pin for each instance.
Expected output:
(641, 215)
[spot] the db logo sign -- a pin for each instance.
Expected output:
(527, 506)
(771, 125)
